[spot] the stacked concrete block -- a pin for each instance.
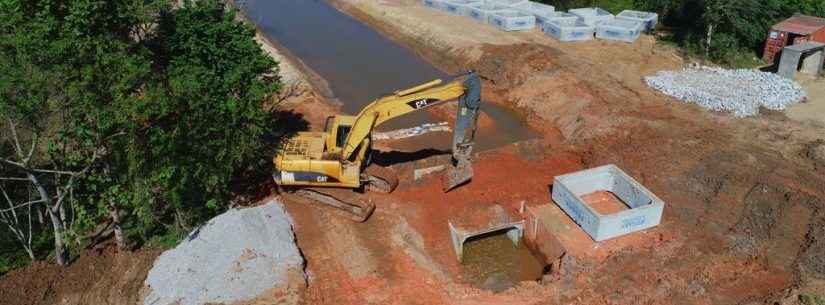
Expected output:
(482, 12)
(541, 20)
(434, 4)
(510, 3)
(512, 20)
(460, 7)
(619, 30)
(569, 30)
(592, 16)
(645, 209)
(539, 10)
(647, 19)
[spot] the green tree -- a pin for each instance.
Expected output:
(128, 112)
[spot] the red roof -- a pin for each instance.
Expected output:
(801, 24)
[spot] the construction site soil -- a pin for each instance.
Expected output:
(744, 221)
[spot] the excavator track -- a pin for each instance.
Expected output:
(358, 212)
(381, 179)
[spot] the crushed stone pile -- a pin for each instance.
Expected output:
(236, 256)
(740, 91)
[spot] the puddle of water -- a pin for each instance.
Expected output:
(493, 263)
(360, 65)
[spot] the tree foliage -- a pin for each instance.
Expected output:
(138, 112)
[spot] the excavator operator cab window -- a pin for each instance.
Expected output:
(341, 135)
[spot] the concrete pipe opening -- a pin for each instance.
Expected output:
(496, 258)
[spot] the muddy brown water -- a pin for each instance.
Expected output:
(493, 263)
(361, 65)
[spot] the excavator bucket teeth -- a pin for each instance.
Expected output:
(457, 175)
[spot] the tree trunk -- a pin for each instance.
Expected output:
(30, 253)
(114, 212)
(61, 254)
(708, 41)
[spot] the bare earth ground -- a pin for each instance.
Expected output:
(744, 221)
(814, 109)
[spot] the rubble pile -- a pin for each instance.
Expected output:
(741, 91)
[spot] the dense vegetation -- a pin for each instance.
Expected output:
(124, 118)
(731, 32)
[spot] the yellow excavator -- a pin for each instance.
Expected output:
(320, 165)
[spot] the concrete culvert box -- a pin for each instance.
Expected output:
(644, 208)
(541, 20)
(509, 3)
(569, 30)
(536, 9)
(647, 19)
(434, 4)
(620, 30)
(459, 7)
(592, 15)
(512, 20)
(482, 11)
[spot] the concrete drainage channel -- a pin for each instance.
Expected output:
(489, 244)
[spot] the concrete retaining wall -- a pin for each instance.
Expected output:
(645, 209)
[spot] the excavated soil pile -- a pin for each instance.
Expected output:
(101, 277)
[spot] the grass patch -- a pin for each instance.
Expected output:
(811, 299)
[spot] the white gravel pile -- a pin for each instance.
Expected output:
(234, 257)
(740, 91)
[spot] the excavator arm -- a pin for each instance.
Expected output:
(466, 89)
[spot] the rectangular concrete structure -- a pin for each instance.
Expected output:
(539, 10)
(481, 221)
(542, 20)
(434, 4)
(460, 7)
(482, 12)
(648, 19)
(592, 16)
(512, 20)
(645, 209)
(812, 63)
(569, 30)
(619, 30)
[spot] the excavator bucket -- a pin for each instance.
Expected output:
(457, 175)
(461, 171)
